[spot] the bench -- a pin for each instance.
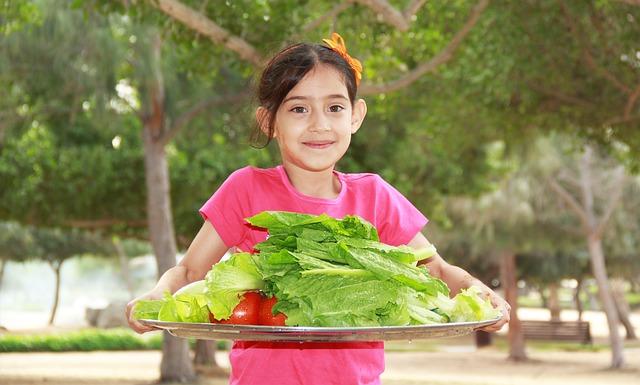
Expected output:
(578, 331)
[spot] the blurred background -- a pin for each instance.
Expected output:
(513, 125)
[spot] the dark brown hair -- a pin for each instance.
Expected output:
(285, 70)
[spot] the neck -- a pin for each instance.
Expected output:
(318, 184)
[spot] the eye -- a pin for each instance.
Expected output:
(336, 108)
(299, 110)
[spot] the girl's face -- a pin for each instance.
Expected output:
(315, 121)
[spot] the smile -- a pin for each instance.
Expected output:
(318, 144)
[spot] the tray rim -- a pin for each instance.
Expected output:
(310, 330)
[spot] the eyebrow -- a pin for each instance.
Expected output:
(334, 96)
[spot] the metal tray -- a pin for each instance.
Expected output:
(207, 331)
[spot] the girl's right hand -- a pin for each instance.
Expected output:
(133, 323)
(206, 249)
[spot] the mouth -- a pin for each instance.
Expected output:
(318, 144)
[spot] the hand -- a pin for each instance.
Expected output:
(133, 323)
(501, 305)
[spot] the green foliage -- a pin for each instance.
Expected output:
(84, 340)
(633, 299)
(546, 346)
(72, 79)
(16, 15)
(54, 245)
(16, 242)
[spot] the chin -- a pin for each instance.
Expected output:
(318, 167)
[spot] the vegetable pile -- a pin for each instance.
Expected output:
(320, 271)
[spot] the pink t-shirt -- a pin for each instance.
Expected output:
(249, 191)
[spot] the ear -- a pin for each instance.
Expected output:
(263, 116)
(358, 114)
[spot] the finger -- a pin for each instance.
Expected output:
(490, 329)
(494, 327)
(139, 328)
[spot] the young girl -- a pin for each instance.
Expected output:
(307, 96)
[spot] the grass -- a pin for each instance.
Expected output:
(566, 301)
(501, 343)
(633, 299)
(84, 340)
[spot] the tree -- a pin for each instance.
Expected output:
(500, 224)
(593, 196)
(53, 246)
(567, 67)
(16, 243)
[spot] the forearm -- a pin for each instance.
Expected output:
(172, 280)
(457, 278)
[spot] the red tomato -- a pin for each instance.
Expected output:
(265, 315)
(246, 313)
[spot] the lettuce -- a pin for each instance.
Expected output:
(219, 293)
(227, 281)
(325, 272)
(470, 306)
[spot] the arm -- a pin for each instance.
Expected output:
(457, 279)
(206, 249)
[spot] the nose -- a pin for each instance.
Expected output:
(320, 123)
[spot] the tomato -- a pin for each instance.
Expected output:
(245, 313)
(265, 314)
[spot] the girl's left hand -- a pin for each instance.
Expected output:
(504, 308)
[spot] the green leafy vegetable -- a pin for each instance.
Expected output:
(227, 281)
(325, 272)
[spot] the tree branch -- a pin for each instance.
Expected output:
(614, 200)
(569, 200)
(621, 120)
(333, 12)
(413, 8)
(566, 176)
(198, 108)
(631, 101)
(390, 15)
(444, 56)
(203, 25)
(399, 19)
(570, 99)
(588, 57)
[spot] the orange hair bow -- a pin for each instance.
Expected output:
(336, 43)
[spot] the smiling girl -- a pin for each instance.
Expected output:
(308, 104)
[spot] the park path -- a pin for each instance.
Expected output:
(458, 367)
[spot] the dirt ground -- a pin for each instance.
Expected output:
(456, 365)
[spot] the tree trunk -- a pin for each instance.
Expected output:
(56, 266)
(516, 338)
(483, 339)
(606, 299)
(205, 353)
(617, 287)
(176, 365)
(205, 360)
(554, 302)
(544, 298)
(3, 264)
(124, 267)
(593, 227)
(578, 302)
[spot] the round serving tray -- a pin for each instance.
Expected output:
(207, 331)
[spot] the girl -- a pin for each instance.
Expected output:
(307, 96)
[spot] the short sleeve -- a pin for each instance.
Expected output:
(399, 221)
(226, 208)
